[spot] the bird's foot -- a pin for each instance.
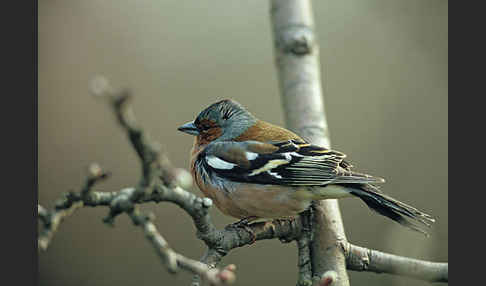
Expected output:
(245, 223)
(282, 220)
(286, 218)
(242, 222)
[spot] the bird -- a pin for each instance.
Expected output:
(252, 169)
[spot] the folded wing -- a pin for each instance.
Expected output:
(292, 163)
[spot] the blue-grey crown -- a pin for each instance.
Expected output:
(230, 115)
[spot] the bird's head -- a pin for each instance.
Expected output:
(224, 120)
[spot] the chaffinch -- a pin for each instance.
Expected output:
(252, 169)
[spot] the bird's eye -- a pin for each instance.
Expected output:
(204, 127)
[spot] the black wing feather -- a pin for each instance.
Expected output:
(294, 163)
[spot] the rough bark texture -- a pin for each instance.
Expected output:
(297, 59)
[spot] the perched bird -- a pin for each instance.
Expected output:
(252, 170)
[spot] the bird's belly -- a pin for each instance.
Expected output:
(263, 201)
(269, 201)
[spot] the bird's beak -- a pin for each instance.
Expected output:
(189, 128)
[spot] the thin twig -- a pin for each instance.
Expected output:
(66, 207)
(174, 260)
(52, 220)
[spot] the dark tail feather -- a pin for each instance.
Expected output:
(402, 213)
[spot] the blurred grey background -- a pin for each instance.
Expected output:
(385, 80)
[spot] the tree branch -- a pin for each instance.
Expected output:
(174, 260)
(66, 207)
(51, 221)
(304, 260)
(297, 58)
(363, 259)
(125, 200)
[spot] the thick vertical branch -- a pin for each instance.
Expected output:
(297, 57)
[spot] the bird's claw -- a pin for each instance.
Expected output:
(244, 223)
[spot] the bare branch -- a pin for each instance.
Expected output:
(174, 260)
(168, 256)
(125, 200)
(52, 220)
(303, 247)
(304, 261)
(363, 259)
(357, 258)
(297, 58)
(66, 207)
(43, 214)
